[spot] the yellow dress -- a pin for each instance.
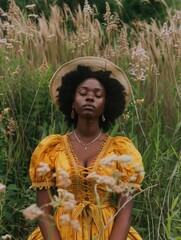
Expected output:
(57, 152)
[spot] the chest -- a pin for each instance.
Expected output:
(86, 156)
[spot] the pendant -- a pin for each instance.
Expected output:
(85, 148)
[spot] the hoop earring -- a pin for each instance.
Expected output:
(72, 115)
(103, 118)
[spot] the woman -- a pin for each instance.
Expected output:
(91, 92)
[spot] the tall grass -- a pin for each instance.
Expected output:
(32, 48)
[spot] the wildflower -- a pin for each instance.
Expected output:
(133, 178)
(140, 101)
(63, 178)
(117, 189)
(116, 158)
(166, 33)
(32, 212)
(11, 126)
(75, 225)
(123, 42)
(139, 64)
(177, 16)
(101, 179)
(112, 27)
(51, 37)
(109, 160)
(154, 70)
(124, 158)
(92, 175)
(65, 218)
(6, 111)
(33, 16)
(9, 45)
(139, 53)
(7, 236)
(4, 15)
(3, 41)
(6, 59)
(43, 169)
(110, 181)
(30, 6)
(43, 68)
(142, 174)
(20, 50)
(87, 9)
(138, 168)
(2, 188)
(119, 3)
(68, 199)
(64, 198)
(107, 15)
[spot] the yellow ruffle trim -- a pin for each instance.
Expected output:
(42, 185)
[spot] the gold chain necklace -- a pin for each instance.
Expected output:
(88, 144)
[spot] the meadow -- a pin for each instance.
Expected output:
(33, 47)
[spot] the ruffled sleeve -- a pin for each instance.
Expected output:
(42, 165)
(130, 166)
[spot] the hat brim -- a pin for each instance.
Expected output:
(96, 64)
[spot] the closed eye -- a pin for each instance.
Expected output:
(83, 92)
(98, 93)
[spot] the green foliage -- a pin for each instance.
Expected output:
(128, 10)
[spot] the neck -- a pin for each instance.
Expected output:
(88, 128)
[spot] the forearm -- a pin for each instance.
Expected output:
(46, 222)
(122, 223)
(48, 228)
(120, 229)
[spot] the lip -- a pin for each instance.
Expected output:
(88, 106)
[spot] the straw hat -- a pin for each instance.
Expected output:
(96, 64)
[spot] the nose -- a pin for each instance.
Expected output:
(90, 96)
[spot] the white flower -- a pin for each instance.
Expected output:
(106, 180)
(124, 158)
(109, 160)
(138, 168)
(7, 236)
(87, 8)
(32, 212)
(2, 187)
(116, 158)
(65, 218)
(142, 174)
(63, 178)
(65, 199)
(33, 15)
(133, 178)
(75, 225)
(43, 169)
(68, 199)
(139, 53)
(30, 6)
(3, 41)
(92, 175)
(118, 189)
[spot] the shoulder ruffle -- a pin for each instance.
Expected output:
(132, 170)
(42, 165)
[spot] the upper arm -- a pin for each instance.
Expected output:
(44, 200)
